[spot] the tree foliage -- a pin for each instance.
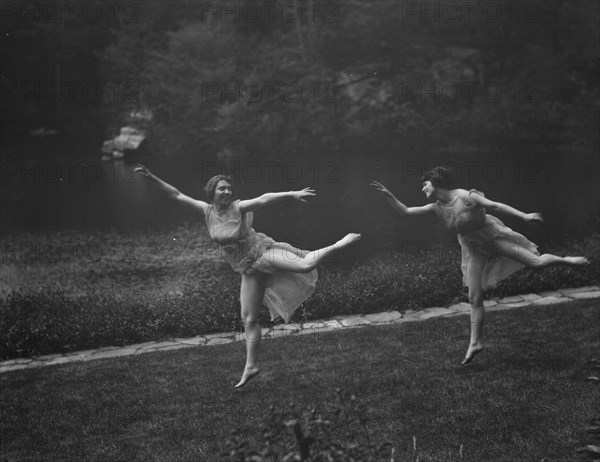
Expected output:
(391, 70)
(271, 77)
(358, 83)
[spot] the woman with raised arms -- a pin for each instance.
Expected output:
(490, 250)
(273, 273)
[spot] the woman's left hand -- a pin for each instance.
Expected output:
(142, 169)
(300, 195)
(534, 218)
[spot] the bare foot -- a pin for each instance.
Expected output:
(347, 240)
(577, 260)
(474, 350)
(249, 374)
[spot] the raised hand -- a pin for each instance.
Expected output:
(533, 218)
(382, 189)
(306, 192)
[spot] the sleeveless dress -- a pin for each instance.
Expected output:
(244, 249)
(478, 235)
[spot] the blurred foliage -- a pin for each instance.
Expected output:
(353, 90)
(379, 71)
(355, 63)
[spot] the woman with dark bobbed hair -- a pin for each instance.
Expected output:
(273, 273)
(490, 250)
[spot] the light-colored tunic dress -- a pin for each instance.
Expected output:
(244, 250)
(479, 235)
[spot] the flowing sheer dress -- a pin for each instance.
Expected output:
(479, 235)
(244, 250)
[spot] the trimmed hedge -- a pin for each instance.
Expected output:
(50, 320)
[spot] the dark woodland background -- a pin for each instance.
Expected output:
(285, 95)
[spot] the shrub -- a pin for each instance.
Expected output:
(189, 303)
(591, 451)
(336, 434)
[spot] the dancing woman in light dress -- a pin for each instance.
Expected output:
(274, 274)
(490, 250)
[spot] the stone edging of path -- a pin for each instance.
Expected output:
(311, 327)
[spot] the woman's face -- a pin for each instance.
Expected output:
(223, 192)
(428, 188)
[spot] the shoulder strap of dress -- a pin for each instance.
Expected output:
(245, 216)
(437, 208)
(471, 192)
(208, 214)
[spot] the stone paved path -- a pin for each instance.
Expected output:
(312, 327)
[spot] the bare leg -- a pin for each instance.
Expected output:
(251, 295)
(476, 296)
(530, 259)
(286, 260)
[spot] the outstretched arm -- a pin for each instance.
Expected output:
(270, 198)
(399, 206)
(506, 209)
(171, 191)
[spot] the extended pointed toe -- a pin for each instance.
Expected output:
(248, 375)
(471, 353)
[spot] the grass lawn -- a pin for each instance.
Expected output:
(523, 399)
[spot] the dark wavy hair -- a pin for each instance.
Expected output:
(440, 177)
(211, 185)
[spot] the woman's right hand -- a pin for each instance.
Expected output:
(382, 189)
